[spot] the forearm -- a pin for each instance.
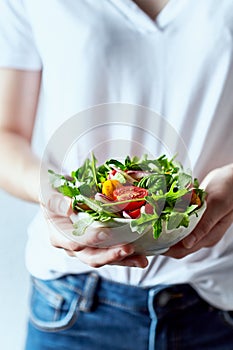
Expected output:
(20, 168)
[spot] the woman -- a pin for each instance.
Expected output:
(175, 58)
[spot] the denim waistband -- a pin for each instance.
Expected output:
(156, 300)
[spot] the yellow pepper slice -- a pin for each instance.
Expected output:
(109, 186)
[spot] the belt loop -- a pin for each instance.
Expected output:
(89, 290)
(151, 307)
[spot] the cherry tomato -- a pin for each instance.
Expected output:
(125, 193)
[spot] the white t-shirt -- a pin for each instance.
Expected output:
(180, 65)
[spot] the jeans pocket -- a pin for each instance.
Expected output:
(53, 305)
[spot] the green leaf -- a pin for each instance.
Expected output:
(85, 190)
(141, 224)
(84, 173)
(55, 180)
(191, 208)
(185, 221)
(68, 191)
(100, 216)
(116, 163)
(81, 225)
(195, 183)
(94, 205)
(62, 185)
(157, 228)
(154, 183)
(102, 173)
(184, 180)
(174, 193)
(176, 220)
(93, 167)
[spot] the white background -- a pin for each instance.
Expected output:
(14, 279)
(15, 216)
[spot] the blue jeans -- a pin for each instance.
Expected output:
(86, 312)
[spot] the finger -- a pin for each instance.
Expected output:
(61, 233)
(133, 261)
(216, 234)
(96, 236)
(59, 205)
(58, 236)
(92, 236)
(97, 257)
(178, 251)
(215, 211)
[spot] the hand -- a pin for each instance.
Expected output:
(58, 209)
(217, 218)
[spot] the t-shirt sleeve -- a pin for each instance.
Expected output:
(17, 45)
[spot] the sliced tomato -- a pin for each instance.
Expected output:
(134, 214)
(125, 193)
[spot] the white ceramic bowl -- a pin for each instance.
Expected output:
(150, 246)
(121, 233)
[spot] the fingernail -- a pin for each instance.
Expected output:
(124, 253)
(189, 241)
(102, 236)
(59, 205)
(64, 206)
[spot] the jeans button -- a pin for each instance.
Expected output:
(163, 298)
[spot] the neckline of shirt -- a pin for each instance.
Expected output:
(142, 21)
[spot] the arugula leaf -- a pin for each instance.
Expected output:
(184, 180)
(154, 183)
(93, 167)
(85, 190)
(174, 193)
(68, 191)
(116, 163)
(56, 180)
(102, 174)
(190, 209)
(176, 219)
(95, 205)
(81, 226)
(62, 185)
(143, 222)
(132, 163)
(100, 216)
(157, 228)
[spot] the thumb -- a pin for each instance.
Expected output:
(59, 205)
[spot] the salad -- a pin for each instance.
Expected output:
(150, 192)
